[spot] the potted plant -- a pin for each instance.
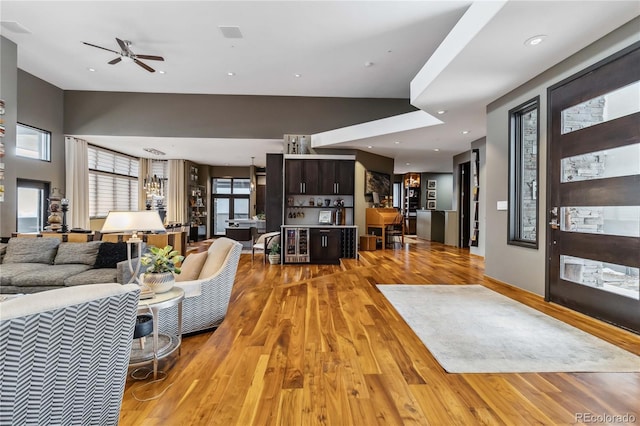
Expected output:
(274, 253)
(161, 264)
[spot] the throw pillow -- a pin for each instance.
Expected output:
(77, 253)
(109, 254)
(218, 252)
(191, 267)
(31, 250)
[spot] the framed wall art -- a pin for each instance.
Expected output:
(377, 182)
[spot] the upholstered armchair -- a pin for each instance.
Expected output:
(207, 279)
(64, 354)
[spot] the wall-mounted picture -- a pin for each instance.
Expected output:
(431, 194)
(431, 204)
(377, 182)
(432, 184)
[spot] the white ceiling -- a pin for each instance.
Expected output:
(327, 43)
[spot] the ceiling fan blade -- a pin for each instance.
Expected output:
(150, 57)
(123, 45)
(115, 61)
(100, 47)
(143, 65)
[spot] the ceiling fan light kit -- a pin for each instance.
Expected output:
(127, 55)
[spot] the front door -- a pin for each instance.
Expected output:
(594, 191)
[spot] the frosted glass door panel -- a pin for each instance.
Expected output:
(619, 279)
(615, 162)
(607, 220)
(615, 104)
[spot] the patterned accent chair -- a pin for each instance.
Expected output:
(207, 297)
(64, 354)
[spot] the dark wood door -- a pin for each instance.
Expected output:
(294, 176)
(345, 170)
(301, 177)
(336, 177)
(326, 245)
(594, 192)
(327, 183)
(465, 204)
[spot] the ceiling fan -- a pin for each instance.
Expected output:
(127, 54)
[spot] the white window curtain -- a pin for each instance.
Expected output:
(77, 182)
(176, 192)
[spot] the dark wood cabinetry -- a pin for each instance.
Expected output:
(325, 245)
(336, 177)
(302, 177)
(273, 196)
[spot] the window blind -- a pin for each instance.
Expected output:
(113, 182)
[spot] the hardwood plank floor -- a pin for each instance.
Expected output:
(317, 344)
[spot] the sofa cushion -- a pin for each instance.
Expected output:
(77, 253)
(31, 250)
(218, 252)
(10, 270)
(93, 276)
(109, 254)
(191, 267)
(50, 275)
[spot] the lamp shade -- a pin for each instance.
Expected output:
(121, 221)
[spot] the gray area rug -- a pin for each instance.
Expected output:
(471, 329)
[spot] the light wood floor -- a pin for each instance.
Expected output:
(312, 345)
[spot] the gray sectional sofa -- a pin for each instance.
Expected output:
(30, 265)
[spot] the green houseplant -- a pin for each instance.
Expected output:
(274, 253)
(161, 264)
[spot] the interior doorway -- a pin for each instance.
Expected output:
(464, 177)
(594, 191)
(31, 205)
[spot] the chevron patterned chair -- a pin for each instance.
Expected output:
(208, 291)
(64, 355)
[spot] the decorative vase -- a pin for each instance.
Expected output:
(160, 282)
(274, 259)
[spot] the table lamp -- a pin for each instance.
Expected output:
(133, 221)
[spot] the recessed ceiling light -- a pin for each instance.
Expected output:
(442, 111)
(162, 72)
(91, 69)
(231, 74)
(297, 75)
(436, 149)
(407, 164)
(369, 146)
(368, 64)
(397, 142)
(535, 40)
(464, 132)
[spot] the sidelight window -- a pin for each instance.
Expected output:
(523, 174)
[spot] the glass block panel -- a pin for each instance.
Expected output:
(609, 277)
(619, 103)
(607, 220)
(615, 162)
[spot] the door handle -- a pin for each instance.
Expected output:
(553, 218)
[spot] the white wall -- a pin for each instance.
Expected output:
(519, 266)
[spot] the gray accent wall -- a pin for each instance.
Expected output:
(525, 267)
(34, 102)
(9, 92)
(444, 190)
(217, 116)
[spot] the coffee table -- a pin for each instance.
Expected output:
(163, 344)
